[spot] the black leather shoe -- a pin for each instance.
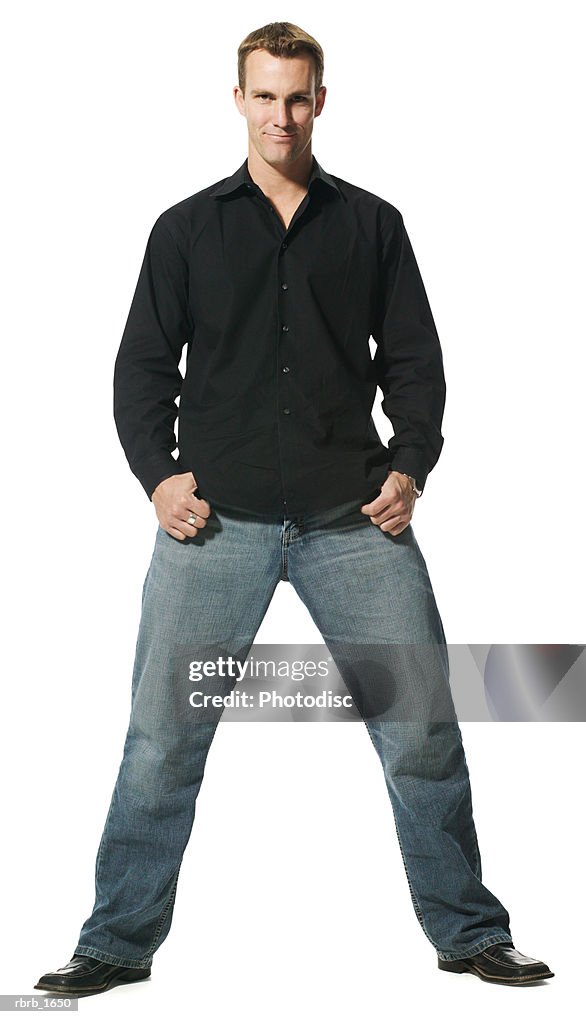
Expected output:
(84, 976)
(501, 963)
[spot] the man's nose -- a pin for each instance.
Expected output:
(281, 114)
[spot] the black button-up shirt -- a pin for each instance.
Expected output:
(275, 407)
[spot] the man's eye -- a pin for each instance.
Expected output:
(297, 99)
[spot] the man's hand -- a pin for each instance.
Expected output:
(174, 502)
(393, 508)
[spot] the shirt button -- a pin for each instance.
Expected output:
(284, 327)
(284, 286)
(283, 245)
(286, 411)
(285, 369)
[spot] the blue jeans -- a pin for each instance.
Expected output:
(359, 585)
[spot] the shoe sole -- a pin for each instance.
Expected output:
(457, 967)
(64, 990)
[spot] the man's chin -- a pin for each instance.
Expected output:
(279, 154)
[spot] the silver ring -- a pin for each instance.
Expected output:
(191, 519)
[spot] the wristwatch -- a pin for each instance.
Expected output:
(413, 483)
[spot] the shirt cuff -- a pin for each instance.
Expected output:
(156, 468)
(410, 461)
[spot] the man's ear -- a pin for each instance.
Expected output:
(320, 100)
(239, 99)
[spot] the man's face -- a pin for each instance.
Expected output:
(279, 105)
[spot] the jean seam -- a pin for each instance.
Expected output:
(146, 961)
(104, 836)
(107, 958)
(490, 940)
(284, 556)
(499, 936)
(414, 899)
(164, 913)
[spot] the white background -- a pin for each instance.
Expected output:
(292, 898)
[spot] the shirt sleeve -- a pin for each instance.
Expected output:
(147, 379)
(408, 357)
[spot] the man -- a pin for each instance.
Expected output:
(276, 277)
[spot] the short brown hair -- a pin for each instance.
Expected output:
(281, 39)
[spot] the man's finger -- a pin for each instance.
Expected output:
(390, 525)
(200, 520)
(180, 528)
(384, 507)
(199, 506)
(177, 534)
(381, 503)
(376, 507)
(391, 508)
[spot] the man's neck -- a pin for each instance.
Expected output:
(274, 182)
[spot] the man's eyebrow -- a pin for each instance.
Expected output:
(267, 92)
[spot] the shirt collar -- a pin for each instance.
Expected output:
(242, 179)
